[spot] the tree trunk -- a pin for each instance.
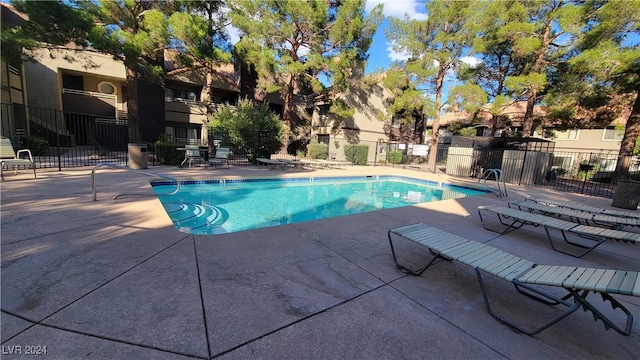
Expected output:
(132, 106)
(494, 125)
(631, 132)
(433, 151)
(207, 98)
(288, 103)
(527, 126)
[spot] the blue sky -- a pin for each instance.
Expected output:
(381, 56)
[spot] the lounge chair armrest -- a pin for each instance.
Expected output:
(24, 151)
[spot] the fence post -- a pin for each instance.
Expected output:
(58, 140)
(524, 161)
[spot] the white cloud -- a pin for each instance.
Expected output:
(473, 61)
(416, 9)
(394, 55)
(234, 33)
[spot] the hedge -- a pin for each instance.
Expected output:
(394, 157)
(318, 151)
(167, 153)
(357, 154)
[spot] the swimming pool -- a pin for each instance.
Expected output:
(207, 207)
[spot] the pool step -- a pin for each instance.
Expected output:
(189, 217)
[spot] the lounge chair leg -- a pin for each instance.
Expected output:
(515, 225)
(564, 237)
(572, 308)
(418, 272)
(597, 315)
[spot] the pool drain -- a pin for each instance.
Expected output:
(310, 236)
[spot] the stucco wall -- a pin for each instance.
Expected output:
(588, 140)
(44, 76)
(365, 124)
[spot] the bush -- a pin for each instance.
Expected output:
(394, 157)
(357, 154)
(250, 128)
(167, 154)
(37, 145)
(318, 151)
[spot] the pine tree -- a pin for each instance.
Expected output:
(304, 45)
(435, 47)
(135, 32)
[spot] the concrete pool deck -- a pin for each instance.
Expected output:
(114, 279)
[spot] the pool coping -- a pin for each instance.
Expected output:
(314, 179)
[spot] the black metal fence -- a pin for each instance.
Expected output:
(59, 139)
(591, 173)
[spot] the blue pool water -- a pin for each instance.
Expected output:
(223, 206)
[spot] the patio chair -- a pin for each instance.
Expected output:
(271, 163)
(586, 208)
(577, 216)
(193, 156)
(10, 159)
(514, 219)
(529, 278)
(221, 157)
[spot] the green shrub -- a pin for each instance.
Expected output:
(37, 145)
(318, 151)
(357, 154)
(167, 154)
(250, 128)
(394, 157)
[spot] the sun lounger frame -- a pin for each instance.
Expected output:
(575, 215)
(586, 208)
(514, 219)
(526, 276)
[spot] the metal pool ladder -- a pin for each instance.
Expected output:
(500, 190)
(147, 173)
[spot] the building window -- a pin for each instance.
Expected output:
(72, 82)
(106, 87)
(562, 162)
(611, 134)
(323, 139)
(180, 95)
(567, 135)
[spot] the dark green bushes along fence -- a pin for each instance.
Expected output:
(318, 151)
(357, 154)
(167, 153)
(394, 157)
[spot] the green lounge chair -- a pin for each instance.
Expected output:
(271, 163)
(586, 208)
(528, 277)
(514, 219)
(577, 216)
(9, 159)
(221, 157)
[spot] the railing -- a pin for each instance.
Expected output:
(147, 173)
(501, 185)
(582, 172)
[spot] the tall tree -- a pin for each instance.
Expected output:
(201, 39)
(313, 44)
(136, 32)
(48, 23)
(408, 107)
(435, 47)
(499, 61)
(605, 71)
(540, 33)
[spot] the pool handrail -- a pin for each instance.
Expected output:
(147, 173)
